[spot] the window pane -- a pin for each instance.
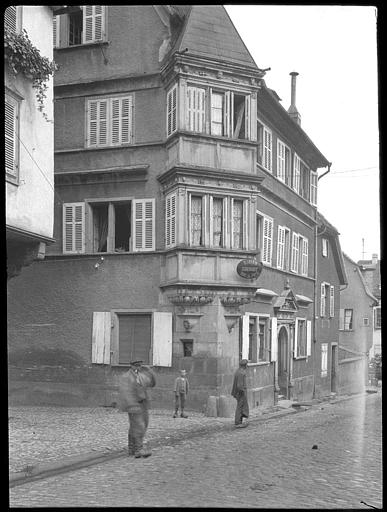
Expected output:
(134, 338)
(196, 220)
(237, 224)
(217, 222)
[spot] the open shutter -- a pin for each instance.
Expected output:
(93, 23)
(172, 110)
(295, 342)
(227, 119)
(245, 336)
(308, 338)
(170, 220)
(100, 348)
(281, 247)
(144, 225)
(54, 31)
(313, 187)
(295, 251)
(341, 319)
(162, 338)
(332, 301)
(267, 149)
(247, 116)
(274, 339)
(10, 18)
(267, 240)
(296, 173)
(10, 110)
(322, 300)
(304, 257)
(73, 227)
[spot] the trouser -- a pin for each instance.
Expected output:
(179, 402)
(138, 424)
(242, 408)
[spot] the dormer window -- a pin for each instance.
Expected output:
(82, 26)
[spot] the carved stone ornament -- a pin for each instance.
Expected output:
(231, 321)
(192, 298)
(234, 301)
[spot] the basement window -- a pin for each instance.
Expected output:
(187, 348)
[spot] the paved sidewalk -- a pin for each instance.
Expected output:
(47, 440)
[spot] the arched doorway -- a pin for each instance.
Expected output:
(283, 361)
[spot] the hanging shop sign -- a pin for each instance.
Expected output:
(250, 268)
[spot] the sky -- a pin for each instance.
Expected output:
(334, 50)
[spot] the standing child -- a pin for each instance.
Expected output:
(181, 391)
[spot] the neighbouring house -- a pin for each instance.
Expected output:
(370, 270)
(29, 140)
(185, 219)
(357, 304)
(331, 276)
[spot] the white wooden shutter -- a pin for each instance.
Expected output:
(281, 248)
(267, 149)
(162, 338)
(304, 256)
(172, 110)
(100, 348)
(308, 338)
(55, 31)
(322, 300)
(121, 120)
(245, 336)
(248, 116)
(73, 227)
(332, 301)
(296, 173)
(10, 18)
(195, 109)
(144, 225)
(295, 251)
(313, 187)
(93, 23)
(170, 220)
(267, 240)
(295, 341)
(274, 339)
(341, 319)
(10, 114)
(227, 115)
(280, 161)
(97, 115)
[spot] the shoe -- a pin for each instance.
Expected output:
(142, 453)
(241, 425)
(182, 415)
(175, 415)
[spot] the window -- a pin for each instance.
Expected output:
(296, 173)
(378, 317)
(265, 238)
(114, 226)
(300, 254)
(283, 248)
(327, 300)
(82, 26)
(256, 338)
(331, 301)
(300, 337)
(304, 255)
(109, 121)
(267, 149)
(187, 348)
(170, 221)
(196, 220)
(217, 112)
(366, 322)
(217, 231)
(11, 118)
(304, 181)
(172, 110)
(230, 114)
(237, 221)
(346, 320)
(283, 163)
(324, 359)
(313, 187)
(196, 109)
(324, 243)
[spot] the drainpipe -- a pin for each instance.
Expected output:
(315, 292)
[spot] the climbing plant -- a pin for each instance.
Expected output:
(23, 57)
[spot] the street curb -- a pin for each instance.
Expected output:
(45, 470)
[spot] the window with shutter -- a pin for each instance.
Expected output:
(74, 227)
(93, 23)
(267, 240)
(322, 299)
(11, 150)
(172, 110)
(196, 220)
(10, 18)
(304, 256)
(121, 123)
(162, 339)
(341, 319)
(267, 149)
(54, 32)
(295, 253)
(100, 348)
(144, 225)
(332, 301)
(274, 339)
(281, 162)
(281, 248)
(313, 187)
(170, 220)
(324, 359)
(296, 173)
(196, 109)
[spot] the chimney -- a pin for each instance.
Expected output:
(374, 259)
(292, 111)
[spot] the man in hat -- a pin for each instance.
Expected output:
(239, 392)
(134, 399)
(181, 390)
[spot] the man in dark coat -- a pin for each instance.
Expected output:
(239, 392)
(134, 399)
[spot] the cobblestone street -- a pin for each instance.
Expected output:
(267, 465)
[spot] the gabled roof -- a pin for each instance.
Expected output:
(366, 289)
(333, 234)
(209, 32)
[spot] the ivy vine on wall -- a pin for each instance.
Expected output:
(23, 57)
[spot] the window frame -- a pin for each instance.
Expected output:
(283, 249)
(377, 316)
(297, 346)
(313, 184)
(283, 162)
(61, 28)
(324, 247)
(268, 338)
(324, 359)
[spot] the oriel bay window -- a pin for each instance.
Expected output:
(111, 226)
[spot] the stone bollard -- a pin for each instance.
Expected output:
(226, 406)
(212, 407)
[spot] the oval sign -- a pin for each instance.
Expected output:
(249, 268)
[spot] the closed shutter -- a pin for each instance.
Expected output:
(295, 253)
(54, 31)
(162, 339)
(97, 115)
(295, 344)
(313, 187)
(100, 349)
(172, 110)
(121, 120)
(304, 257)
(274, 340)
(280, 161)
(267, 240)
(267, 149)
(332, 301)
(195, 109)
(144, 225)
(170, 221)
(281, 248)
(322, 300)
(296, 173)
(10, 114)
(248, 117)
(308, 338)
(93, 23)
(245, 336)
(341, 319)
(73, 227)
(10, 18)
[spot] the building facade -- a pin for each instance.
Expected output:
(186, 218)
(370, 270)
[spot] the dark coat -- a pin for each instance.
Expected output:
(133, 388)
(239, 385)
